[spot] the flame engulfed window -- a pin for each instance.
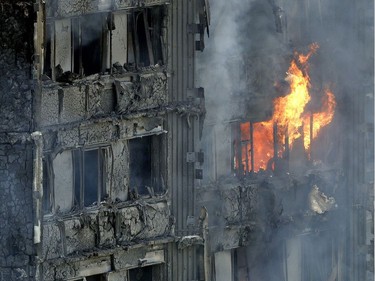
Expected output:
(264, 145)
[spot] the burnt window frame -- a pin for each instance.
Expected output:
(82, 26)
(48, 186)
(147, 46)
(79, 166)
(156, 271)
(49, 189)
(237, 149)
(101, 277)
(149, 51)
(279, 162)
(78, 25)
(157, 163)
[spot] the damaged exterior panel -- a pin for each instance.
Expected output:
(90, 191)
(108, 156)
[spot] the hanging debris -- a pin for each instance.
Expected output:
(319, 202)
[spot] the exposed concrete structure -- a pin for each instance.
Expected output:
(88, 138)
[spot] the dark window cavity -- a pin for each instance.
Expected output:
(147, 273)
(147, 164)
(146, 28)
(141, 274)
(89, 36)
(99, 277)
(88, 176)
(104, 43)
(47, 191)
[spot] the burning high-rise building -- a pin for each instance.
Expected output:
(116, 164)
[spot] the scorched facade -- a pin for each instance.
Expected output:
(101, 118)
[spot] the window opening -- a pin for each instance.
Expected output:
(89, 35)
(93, 43)
(147, 164)
(98, 277)
(48, 51)
(88, 176)
(76, 45)
(74, 179)
(147, 32)
(256, 149)
(140, 163)
(141, 274)
(47, 191)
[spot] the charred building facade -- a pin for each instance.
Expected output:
(100, 119)
(116, 164)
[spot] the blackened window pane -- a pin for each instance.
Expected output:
(48, 50)
(76, 45)
(140, 163)
(142, 40)
(91, 43)
(77, 177)
(95, 278)
(102, 174)
(91, 176)
(141, 274)
(46, 189)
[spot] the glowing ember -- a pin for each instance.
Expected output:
(290, 117)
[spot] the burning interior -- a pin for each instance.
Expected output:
(266, 145)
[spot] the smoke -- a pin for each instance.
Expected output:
(250, 46)
(243, 46)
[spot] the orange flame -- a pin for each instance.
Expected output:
(289, 116)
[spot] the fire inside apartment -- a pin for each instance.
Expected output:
(160, 140)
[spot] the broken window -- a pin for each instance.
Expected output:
(63, 181)
(141, 274)
(99, 277)
(88, 176)
(47, 192)
(89, 41)
(257, 148)
(147, 164)
(74, 179)
(76, 45)
(146, 273)
(146, 28)
(94, 43)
